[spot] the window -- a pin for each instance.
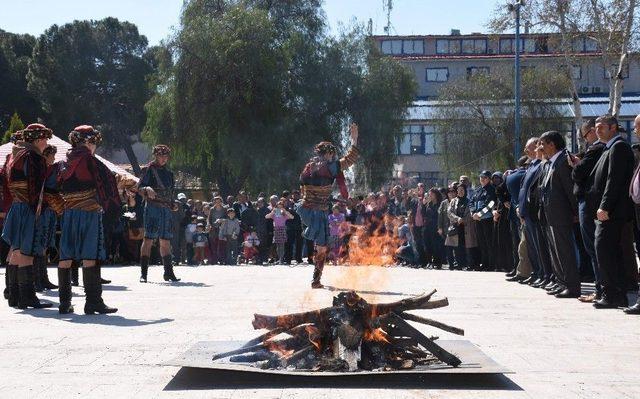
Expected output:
(590, 45)
(614, 69)
(528, 45)
(468, 46)
(480, 46)
(474, 46)
(454, 46)
(472, 71)
(506, 46)
(396, 47)
(442, 46)
(429, 139)
(578, 45)
(386, 47)
(404, 145)
(437, 74)
(417, 140)
(576, 72)
(413, 46)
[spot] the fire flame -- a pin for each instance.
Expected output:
(376, 334)
(374, 243)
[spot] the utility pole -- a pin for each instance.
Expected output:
(387, 5)
(515, 7)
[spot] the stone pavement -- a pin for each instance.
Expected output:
(556, 348)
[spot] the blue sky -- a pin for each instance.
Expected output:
(156, 18)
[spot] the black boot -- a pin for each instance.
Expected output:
(27, 294)
(37, 274)
(44, 275)
(64, 292)
(74, 273)
(317, 271)
(6, 282)
(144, 267)
(93, 292)
(168, 269)
(103, 280)
(13, 293)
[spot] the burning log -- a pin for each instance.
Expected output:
(350, 335)
(432, 323)
(428, 344)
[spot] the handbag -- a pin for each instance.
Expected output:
(452, 231)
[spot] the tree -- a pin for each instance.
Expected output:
(15, 52)
(93, 72)
(14, 125)
(612, 24)
(246, 88)
(476, 119)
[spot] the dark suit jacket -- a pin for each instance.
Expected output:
(559, 203)
(583, 169)
(527, 182)
(609, 182)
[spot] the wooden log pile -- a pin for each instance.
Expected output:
(351, 335)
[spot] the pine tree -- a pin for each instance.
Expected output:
(14, 125)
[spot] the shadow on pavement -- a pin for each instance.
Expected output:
(179, 284)
(189, 378)
(81, 318)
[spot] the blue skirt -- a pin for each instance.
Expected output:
(158, 222)
(48, 222)
(317, 229)
(82, 236)
(21, 231)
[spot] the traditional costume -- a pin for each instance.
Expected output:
(158, 218)
(25, 173)
(52, 207)
(316, 182)
(89, 189)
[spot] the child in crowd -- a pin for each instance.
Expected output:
(336, 219)
(279, 215)
(189, 231)
(405, 254)
(250, 246)
(200, 239)
(229, 231)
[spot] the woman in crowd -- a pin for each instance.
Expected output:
(433, 242)
(446, 229)
(460, 216)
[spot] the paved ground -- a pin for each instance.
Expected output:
(556, 348)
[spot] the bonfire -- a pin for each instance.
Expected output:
(351, 335)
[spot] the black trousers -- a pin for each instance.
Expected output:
(616, 262)
(544, 254)
(418, 238)
(485, 243)
(562, 245)
(293, 246)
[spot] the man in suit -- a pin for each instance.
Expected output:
(634, 189)
(609, 196)
(560, 209)
(513, 182)
(583, 164)
(527, 219)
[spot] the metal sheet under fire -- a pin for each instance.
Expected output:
(474, 361)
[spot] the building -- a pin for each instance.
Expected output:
(437, 59)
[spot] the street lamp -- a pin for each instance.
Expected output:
(515, 7)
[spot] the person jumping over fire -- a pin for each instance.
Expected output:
(316, 183)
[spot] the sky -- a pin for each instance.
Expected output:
(157, 19)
